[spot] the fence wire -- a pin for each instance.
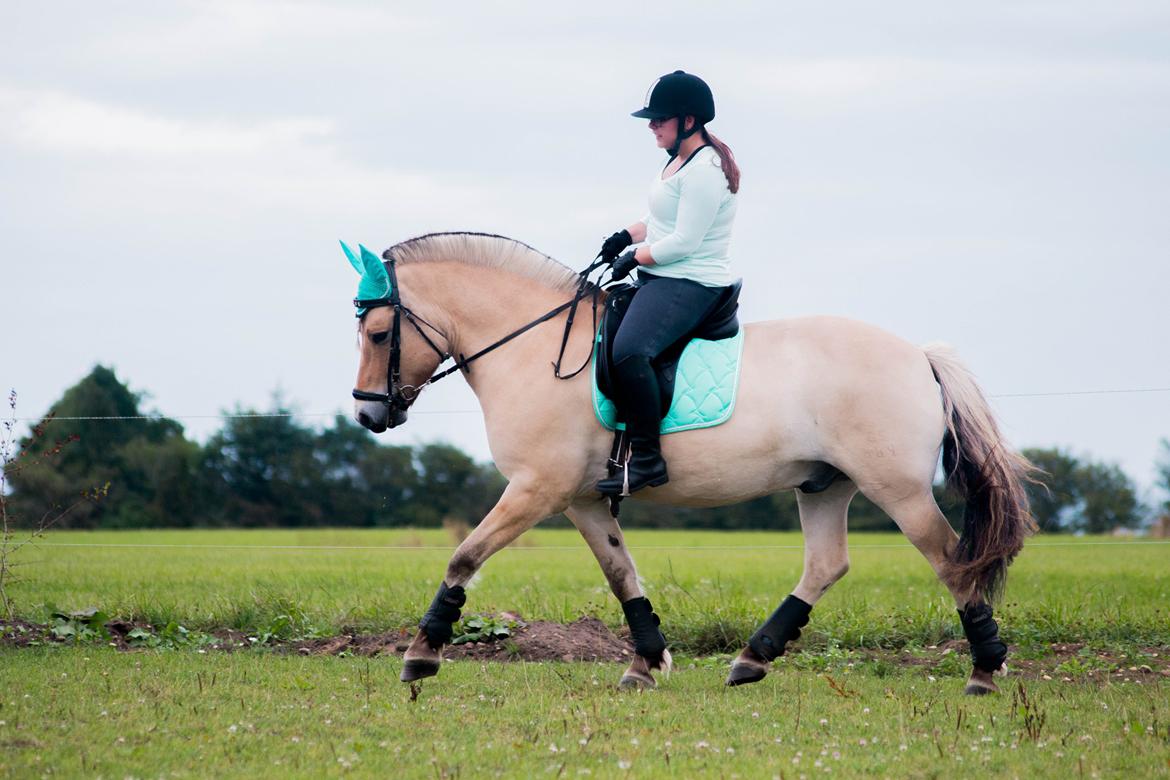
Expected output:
(549, 548)
(249, 415)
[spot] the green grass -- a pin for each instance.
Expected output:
(710, 588)
(72, 712)
(834, 708)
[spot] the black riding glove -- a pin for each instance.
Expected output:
(614, 245)
(623, 265)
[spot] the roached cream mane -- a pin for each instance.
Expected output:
(489, 251)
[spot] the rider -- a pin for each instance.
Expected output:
(683, 264)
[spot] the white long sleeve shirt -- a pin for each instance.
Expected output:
(689, 224)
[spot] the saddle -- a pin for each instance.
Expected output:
(721, 323)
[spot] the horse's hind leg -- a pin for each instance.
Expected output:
(604, 537)
(928, 530)
(826, 560)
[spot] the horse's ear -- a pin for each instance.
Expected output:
(353, 259)
(374, 274)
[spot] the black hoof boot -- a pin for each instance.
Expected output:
(418, 668)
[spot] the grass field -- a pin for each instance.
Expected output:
(100, 713)
(711, 589)
(833, 708)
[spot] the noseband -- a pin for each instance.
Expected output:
(400, 396)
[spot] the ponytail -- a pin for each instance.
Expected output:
(730, 169)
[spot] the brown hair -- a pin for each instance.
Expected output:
(730, 169)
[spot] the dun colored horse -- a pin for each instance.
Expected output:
(826, 406)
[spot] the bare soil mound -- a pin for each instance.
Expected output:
(585, 639)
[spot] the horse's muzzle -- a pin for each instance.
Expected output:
(377, 417)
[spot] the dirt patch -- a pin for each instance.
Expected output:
(21, 633)
(589, 639)
(1059, 661)
(585, 639)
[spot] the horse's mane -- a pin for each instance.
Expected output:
(488, 251)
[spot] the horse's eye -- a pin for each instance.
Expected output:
(379, 338)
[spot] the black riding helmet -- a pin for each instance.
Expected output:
(679, 94)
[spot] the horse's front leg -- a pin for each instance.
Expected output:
(519, 508)
(604, 537)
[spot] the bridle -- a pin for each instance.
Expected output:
(400, 396)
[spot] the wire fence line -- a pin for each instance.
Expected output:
(548, 548)
(249, 415)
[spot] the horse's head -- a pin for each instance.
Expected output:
(397, 356)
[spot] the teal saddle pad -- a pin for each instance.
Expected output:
(705, 386)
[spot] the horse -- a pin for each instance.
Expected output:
(826, 406)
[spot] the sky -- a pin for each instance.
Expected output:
(174, 179)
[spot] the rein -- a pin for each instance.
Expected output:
(400, 396)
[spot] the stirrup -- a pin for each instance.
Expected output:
(652, 480)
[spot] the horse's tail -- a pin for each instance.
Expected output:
(987, 473)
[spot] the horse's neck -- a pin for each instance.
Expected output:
(477, 306)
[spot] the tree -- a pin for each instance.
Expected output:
(1163, 482)
(147, 463)
(1056, 499)
(1108, 499)
(262, 470)
(1082, 496)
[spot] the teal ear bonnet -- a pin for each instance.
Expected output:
(375, 282)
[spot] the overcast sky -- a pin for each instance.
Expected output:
(174, 178)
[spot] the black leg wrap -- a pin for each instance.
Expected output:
(987, 650)
(648, 640)
(783, 627)
(439, 621)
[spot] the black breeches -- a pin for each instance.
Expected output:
(662, 313)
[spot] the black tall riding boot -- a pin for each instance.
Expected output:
(641, 406)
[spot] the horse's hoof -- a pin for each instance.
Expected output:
(636, 682)
(980, 683)
(742, 674)
(418, 668)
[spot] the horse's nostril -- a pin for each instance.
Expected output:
(364, 419)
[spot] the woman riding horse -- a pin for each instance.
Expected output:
(683, 262)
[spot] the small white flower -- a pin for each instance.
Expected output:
(633, 740)
(623, 764)
(232, 729)
(865, 711)
(295, 739)
(824, 721)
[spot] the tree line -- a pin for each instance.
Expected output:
(266, 469)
